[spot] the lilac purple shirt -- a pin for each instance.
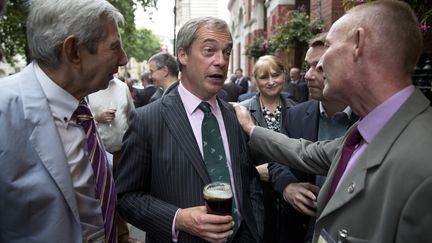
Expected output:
(370, 125)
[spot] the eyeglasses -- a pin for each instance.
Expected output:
(152, 71)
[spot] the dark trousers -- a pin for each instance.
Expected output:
(243, 235)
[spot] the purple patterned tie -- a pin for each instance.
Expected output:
(104, 182)
(354, 138)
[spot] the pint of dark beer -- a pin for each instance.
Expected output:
(218, 198)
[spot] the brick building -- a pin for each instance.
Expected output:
(251, 19)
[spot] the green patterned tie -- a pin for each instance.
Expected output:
(214, 152)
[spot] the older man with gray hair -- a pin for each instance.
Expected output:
(54, 179)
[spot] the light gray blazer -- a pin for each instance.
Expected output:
(387, 196)
(37, 198)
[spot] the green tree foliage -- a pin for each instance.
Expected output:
(292, 31)
(12, 30)
(260, 47)
(295, 30)
(12, 26)
(143, 45)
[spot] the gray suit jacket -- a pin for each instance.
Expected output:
(387, 195)
(37, 198)
(162, 170)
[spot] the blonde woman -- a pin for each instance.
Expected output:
(268, 108)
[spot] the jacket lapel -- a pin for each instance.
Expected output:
(349, 188)
(255, 109)
(236, 151)
(373, 156)
(45, 138)
(310, 121)
(177, 121)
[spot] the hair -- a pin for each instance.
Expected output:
(318, 40)
(50, 22)
(187, 33)
(146, 77)
(163, 59)
(239, 69)
(396, 26)
(264, 63)
(295, 70)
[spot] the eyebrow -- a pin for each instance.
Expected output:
(230, 44)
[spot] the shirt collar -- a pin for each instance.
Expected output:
(323, 112)
(373, 122)
(191, 102)
(61, 103)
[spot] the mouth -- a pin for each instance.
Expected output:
(270, 89)
(217, 77)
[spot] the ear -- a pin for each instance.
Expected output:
(70, 51)
(165, 70)
(182, 56)
(359, 43)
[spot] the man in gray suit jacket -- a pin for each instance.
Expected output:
(162, 172)
(385, 192)
(47, 182)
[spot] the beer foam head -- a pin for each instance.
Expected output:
(218, 190)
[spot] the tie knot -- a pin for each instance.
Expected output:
(83, 112)
(354, 137)
(205, 107)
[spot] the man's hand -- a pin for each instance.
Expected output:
(263, 172)
(244, 117)
(105, 116)
(302, 196)
(196, 221)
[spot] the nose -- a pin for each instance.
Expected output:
(308, 75)
(272, 80)
(123, 59)
(221, 59)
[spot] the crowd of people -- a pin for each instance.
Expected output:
(341, 156)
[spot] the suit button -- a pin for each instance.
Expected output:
(342, 235)
(351, 187)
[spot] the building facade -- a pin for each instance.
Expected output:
(188, 9)
(251, 19)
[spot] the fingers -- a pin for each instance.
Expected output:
(214, 219)
(196, 221)
(108, 115)
(313, 188)
(217, 237)
(244, 117)
(215, 228)
(263, 172)
(301, 197)
(305, 210)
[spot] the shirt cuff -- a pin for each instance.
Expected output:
(174, 232)
(251, 131)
